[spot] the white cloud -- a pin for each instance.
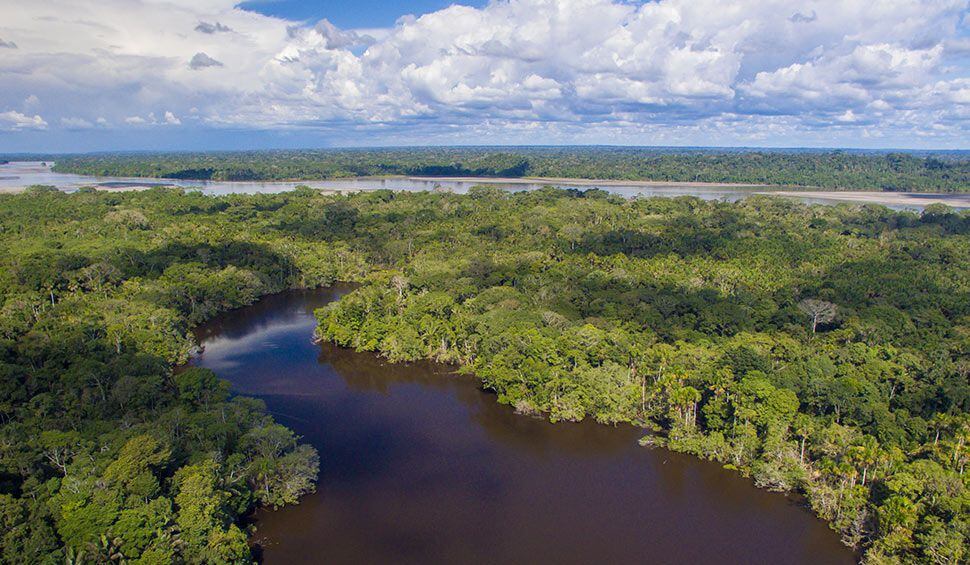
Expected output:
(335, 38)
(76, 123)
(847, 117)
(863, 73)
(654, 72)
(13, 120)
(168, 119)
(31, 102)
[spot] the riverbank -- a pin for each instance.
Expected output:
(592, 183)
(14, 177)
(961, 200)
(417, 457)
(908, 200)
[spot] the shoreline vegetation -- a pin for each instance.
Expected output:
(788, 351)
(110, 449)
(823, 169)
(956, 200)
(821, 350)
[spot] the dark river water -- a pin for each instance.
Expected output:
(419, 465)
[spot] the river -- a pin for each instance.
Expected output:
(16, 175)
(419, 465)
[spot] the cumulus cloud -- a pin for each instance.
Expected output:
(847, 117)
(168, 119)
(76, 123)
(206, 27)
(201, 60)
(13, 120)
(669, 71)
(335, 38)
(856, 78)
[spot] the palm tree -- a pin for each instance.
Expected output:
(685, 400)
(864, 455)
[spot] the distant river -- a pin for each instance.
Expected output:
(419, 465)
(19, 174)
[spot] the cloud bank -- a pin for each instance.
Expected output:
(781, 72)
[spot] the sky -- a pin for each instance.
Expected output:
(97, 75)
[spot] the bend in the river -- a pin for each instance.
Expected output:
(419, 465)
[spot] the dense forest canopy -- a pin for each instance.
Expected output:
(819, 349)
(840, 170)
(106, 453)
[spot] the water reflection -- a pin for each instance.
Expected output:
(420, 466)
(25, 173)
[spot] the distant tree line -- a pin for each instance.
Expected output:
(837, 170)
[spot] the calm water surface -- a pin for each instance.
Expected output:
(418, 465)
(19, 174)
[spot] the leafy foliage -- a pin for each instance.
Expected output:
(107, 454)
(683, 316)
(817, 349)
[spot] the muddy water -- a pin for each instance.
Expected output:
(420, 466)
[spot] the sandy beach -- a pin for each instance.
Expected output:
(588, 182)
(961, 200)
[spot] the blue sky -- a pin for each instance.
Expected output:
(355, 14)
(95, 75)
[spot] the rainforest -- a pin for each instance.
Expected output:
(819, 350)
